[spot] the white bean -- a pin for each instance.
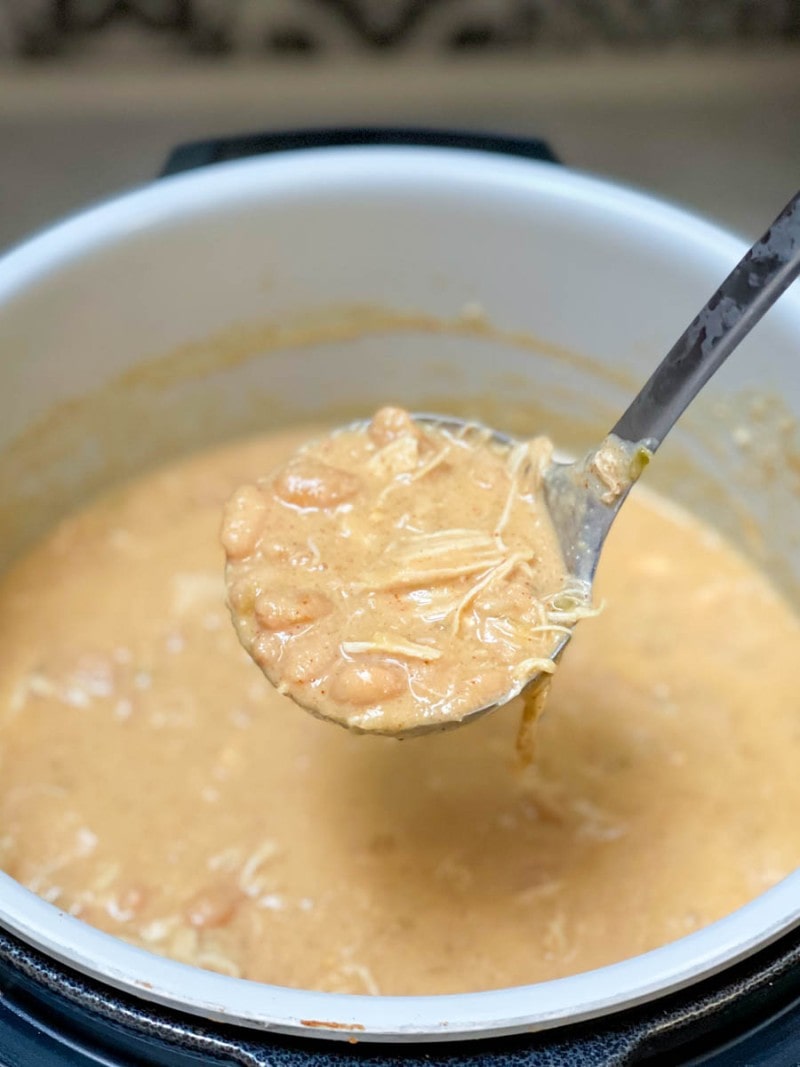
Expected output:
(242, 521)
(309, 483)
(281, 609)
(368, 683)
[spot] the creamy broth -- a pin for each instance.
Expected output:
(396, 574)
(154, 785)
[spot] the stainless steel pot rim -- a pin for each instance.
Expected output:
(330, 172)
(378, 171)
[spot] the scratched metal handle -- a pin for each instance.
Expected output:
(750, 290)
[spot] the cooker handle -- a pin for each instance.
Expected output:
(221, 149)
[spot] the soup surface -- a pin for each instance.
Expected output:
(153, 784)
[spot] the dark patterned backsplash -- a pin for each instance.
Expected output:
(45, 28)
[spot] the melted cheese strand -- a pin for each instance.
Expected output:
(420, 549)
(500, 571)
(514, 461)
(407, 478)
(549, 628)
(532, 666)
(432, 575)
(391, 645)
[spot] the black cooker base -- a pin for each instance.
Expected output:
(51, 1016)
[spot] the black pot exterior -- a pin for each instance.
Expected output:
(51, 1016)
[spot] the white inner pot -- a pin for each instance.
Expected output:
(235, 288)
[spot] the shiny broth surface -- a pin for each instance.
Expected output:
(153, 784)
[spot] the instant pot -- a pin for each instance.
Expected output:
(268, 279)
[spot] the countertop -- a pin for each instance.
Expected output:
(716, 130)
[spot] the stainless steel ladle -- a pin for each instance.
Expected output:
(582, 503)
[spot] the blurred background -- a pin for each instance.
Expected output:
(695, 100)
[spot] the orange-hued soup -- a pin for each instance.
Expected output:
(398, 574)
(155, 785)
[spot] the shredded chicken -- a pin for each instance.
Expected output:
(435, 586)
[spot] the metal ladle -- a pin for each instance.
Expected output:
(580, 504)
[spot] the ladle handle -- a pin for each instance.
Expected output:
(750, 290)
